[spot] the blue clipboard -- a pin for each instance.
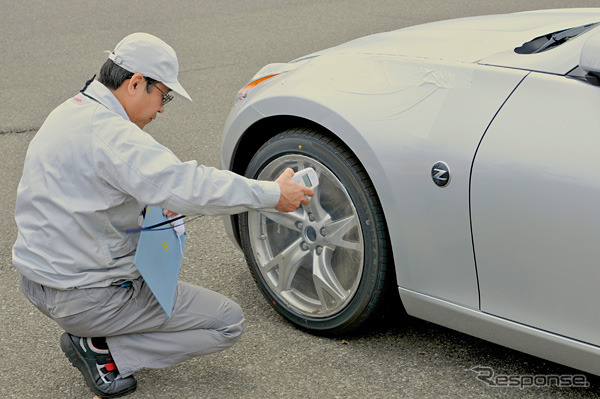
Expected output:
(158, 258)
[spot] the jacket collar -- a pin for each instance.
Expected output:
(100, 93)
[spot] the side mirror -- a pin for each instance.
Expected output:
(589, 60)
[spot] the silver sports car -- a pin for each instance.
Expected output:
(456, 163)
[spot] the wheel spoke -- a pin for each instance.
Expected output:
(314, 207)
(338, 229)
(326, 281)
(287, 262)
(289, 219)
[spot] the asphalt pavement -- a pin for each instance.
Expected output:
(48, 49)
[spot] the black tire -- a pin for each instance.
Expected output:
(326, 285)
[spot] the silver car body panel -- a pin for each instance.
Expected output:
(503, 332)
(534, 195)
(489, 40)
(404, 100)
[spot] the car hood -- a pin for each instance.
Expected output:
(486, 39)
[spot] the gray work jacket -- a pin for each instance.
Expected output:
(88, 173)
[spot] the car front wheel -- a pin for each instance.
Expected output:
(323, 266)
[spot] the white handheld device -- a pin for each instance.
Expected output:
(307, 177)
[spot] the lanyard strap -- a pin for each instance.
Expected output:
(85, 86)
(154, 226)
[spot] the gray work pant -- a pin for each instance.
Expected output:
(137, 330)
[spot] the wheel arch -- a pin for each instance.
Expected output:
(334, 126)
(259, 132)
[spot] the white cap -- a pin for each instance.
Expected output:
(150, 56)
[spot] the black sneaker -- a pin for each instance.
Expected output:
(97, 366)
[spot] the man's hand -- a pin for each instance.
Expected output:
(169, 214)
(292, 193)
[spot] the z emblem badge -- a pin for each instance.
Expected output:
(440, 173)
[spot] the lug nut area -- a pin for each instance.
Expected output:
(311, 234)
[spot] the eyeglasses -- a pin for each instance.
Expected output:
(165, 97)
(151, 82)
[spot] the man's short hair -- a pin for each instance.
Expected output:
(112, 76)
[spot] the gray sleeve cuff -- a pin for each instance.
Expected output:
(272, 193)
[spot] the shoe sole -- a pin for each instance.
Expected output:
(75, 358)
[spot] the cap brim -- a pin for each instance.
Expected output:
(178, 89)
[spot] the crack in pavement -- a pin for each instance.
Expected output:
(19, 131)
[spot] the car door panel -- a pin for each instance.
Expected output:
(534, 206)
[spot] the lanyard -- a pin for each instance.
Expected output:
(154, 226)
(85, 86)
